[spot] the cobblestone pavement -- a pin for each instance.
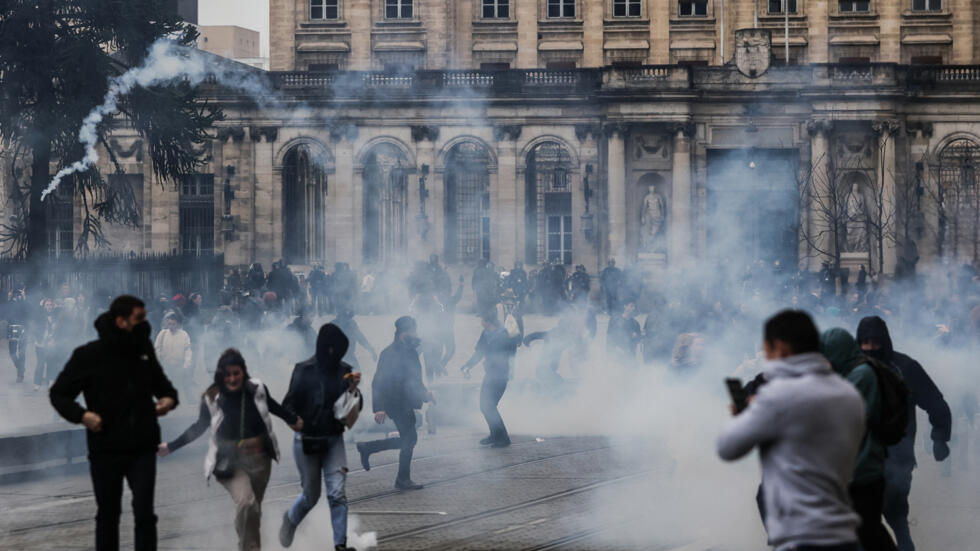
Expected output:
(542, 493)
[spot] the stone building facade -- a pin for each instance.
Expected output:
(575, 131)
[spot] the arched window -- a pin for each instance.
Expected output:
(385, 194)
(467, 206)
(548, 205)
(304, 198)
(958, 200)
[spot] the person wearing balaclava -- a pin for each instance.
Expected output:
(119, 375)
(875, 341)
(319, 450)
(867, 488)
(397, 391)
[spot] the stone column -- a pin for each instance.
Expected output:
(527, 34)
(889, 31)
(886, 131)
(923, 218)
(659, 16)
(359, 16)
(347, 198)
(592, 11)
(585, 251)
(505, 217)
(817, 40)
(616, 188)
(266, 241)
(964, 14)
(819, 237)
(282, 29)
(681, 199)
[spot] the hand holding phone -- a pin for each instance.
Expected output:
(740, 399)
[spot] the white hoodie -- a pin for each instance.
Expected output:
(808, 423)
(174, 349)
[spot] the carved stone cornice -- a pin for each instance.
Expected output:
(136, 148)
(270, 133)
(883, 127)
(919, 129)
(342, 130)
(420, 133)
(623, 129)
(507, 132)
(687, 128)
(236, 133)
(583, 131)
(819, 126)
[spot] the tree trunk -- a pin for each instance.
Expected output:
(37, 231)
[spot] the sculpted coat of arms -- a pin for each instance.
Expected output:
(753, 51)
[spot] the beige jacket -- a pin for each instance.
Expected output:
(174, 349)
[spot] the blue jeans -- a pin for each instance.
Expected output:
(331, 465)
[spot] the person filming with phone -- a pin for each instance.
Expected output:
(808, 423)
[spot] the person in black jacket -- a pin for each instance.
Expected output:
(875, 341)
(496, 348)
(319, 450)
(398, 391)
(119, 376)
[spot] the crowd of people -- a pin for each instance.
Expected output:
(864, 471)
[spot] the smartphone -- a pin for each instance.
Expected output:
(737, 393)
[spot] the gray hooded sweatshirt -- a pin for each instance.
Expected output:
(808, 423)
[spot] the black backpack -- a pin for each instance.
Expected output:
(893, 421)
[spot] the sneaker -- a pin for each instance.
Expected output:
(365, 457)
(286, 531)
(343, 548)
(37, 388)
(501, 444)
(407, 485)
(486, 441)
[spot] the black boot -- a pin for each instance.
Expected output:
(365, 456)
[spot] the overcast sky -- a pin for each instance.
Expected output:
(251, 14)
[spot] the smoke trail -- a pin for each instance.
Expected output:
(166, 61)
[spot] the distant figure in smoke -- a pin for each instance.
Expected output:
(173, 348)
(255, 279)
(610, 281)
(867, 488)
(346, 322)
(686, 356)
(808, 425)
(496, 348)
(301, 327)
(318, 289)
(875, 341)
(579, 284)
(485, 286)
(398, 391)
(429, 313)
(343, 287)
(242, 445)
(445, 330)
(319, 451)
(518, 281)
(16, 315)
(624, 334)
(119, 375)
(45, 343)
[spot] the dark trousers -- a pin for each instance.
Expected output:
(898, 483)
(16, 348)
(405, 443)
(490, 394)
(108, 472)
(44, 371)
(869, 500)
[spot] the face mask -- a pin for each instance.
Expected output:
(142, 330)
(881, 354)
(412, 342)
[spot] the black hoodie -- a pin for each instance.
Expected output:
(318, 382)
(119, 375)
(922, 391)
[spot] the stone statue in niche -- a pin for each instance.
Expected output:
(652, 218)
(856, 224)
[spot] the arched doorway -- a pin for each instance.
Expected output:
(385, 195)
(304, 199)
(548, 205)
(467, 203)
(958, 200)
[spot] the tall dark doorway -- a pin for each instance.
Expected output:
(753, 206)
(385, 198)
(467, 206)
(304, 200)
